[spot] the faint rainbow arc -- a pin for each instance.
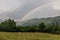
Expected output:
(35, 10)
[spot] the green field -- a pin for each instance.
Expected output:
(28, 36)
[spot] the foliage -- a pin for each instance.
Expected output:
(10, 26)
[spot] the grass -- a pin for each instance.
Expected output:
(28, 36)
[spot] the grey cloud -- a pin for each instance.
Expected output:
(20, 12)
(43, 13)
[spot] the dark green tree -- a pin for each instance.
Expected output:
(8, 25)
(42, 27)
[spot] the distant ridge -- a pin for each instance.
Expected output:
(37, 21)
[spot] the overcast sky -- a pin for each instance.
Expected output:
(27, 9)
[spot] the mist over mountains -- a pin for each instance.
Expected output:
(30, 10)
(37, 21)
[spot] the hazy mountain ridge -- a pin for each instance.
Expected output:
(37, 21)
(1, 20)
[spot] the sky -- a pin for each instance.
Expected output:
(27, 9)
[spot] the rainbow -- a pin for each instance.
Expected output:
(40, 7)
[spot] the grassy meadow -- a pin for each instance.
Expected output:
(28, 36)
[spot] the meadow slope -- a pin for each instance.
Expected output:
(28, 36)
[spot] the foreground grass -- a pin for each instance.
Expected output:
(28, 36)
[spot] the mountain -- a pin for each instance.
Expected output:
(37, 21)
(1, 20)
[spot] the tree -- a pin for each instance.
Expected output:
(11, 25)
(55, 28)
(42, 27)
(8, 25)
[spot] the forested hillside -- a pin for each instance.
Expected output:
(51, 27)
(37, 21)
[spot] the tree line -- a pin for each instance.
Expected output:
(10, 26)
